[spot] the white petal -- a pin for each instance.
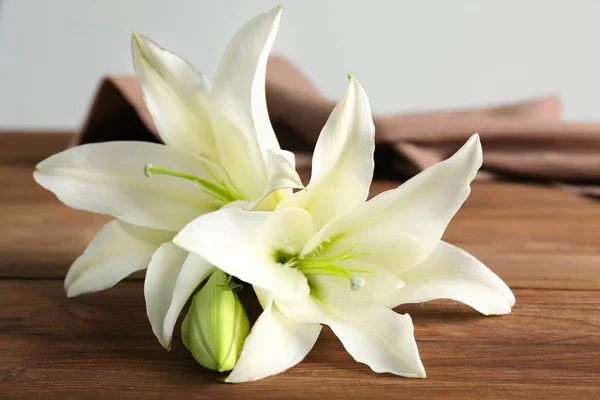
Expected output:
(161, 278)
(374, 335)
(240, 116)
(401, 227)
(289, 229)
(116, 251)
(240, 75)
(281, 172)
(177, 96)
(172, 277)
(452, 273)
(288, 155)
(380, 338)
(308, 310)
(108, 178)
(193, 272)
(264, 296)
(275, 344)
(241, 244)
(343, 160)
(282, 175)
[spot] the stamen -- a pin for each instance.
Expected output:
(356, 282)
(221, 192)
(233, 190)
(315, 265)
(331, 270)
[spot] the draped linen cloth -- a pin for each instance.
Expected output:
(524, 140)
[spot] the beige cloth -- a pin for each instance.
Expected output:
(524, 140)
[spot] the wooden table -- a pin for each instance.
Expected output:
(544, 243)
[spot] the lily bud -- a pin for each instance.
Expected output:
(216, 324)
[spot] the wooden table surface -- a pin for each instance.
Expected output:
(544, 243)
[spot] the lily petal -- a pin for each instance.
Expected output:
(452, 273)
(401, 227)
(275, 344)
(374, 335)
(343, 160)
(108, 178)
(177, 97)
(281, 172)
(240, 243)
(172, 277)
(264, 296)
(159, 284)
(240, 75)
(194, 271)
(380, 338)
(308, 310)
(282, 175)
(288, 155)
(241, 108)
(117, 250)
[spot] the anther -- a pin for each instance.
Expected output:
(148, 169)
(356, 282)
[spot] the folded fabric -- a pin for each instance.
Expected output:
(524, 140)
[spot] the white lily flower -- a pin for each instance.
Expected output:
(220, 149)
(325, 256)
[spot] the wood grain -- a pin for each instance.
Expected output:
(102, 343)
(543, 242)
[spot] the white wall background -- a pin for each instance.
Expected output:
(409, 55)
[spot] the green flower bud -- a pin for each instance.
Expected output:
(216, 324)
